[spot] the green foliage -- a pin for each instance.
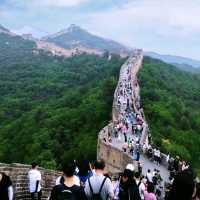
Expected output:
(51, 108)
(171, 100)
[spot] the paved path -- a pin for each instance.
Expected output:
(127, 95)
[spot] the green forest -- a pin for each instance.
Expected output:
(52, 108)
(171, 101)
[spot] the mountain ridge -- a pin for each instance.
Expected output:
(77, 37)
(76, 40)
(173, 59)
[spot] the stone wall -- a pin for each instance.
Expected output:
(18, 174)
(115, 159)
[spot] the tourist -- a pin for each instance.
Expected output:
(149, 176)
(6, 189)
(196, 196)
(99, 186)
(115, 183)
(140, 168)
(125, 147)
(182, 187)
(68, 189)
(85, 171)
(60, 180)
(124, 129)
(34, 177)
(149, 193)
(128, 189)
(140, 184)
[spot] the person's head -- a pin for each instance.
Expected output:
(183, 186)
(137, 175)
(34, 165)
(99, 165)
(69, 169)
(84, 167)
(148, 170)
(127, 176)
(150, 188)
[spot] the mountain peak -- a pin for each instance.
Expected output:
(75, 37)
(74, 27)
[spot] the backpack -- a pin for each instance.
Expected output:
(98, 195)
(66, 194)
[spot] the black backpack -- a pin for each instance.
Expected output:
(98, 195)
(66, 194)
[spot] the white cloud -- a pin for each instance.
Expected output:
(179, 18)
(49, 3)
(171, 26)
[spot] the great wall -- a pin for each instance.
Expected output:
(111, 152)
(115, 158)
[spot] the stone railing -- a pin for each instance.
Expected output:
(18, 174)
(115, 159)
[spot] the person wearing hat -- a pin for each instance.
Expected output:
(6, 189)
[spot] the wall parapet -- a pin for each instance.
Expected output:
(19, 176)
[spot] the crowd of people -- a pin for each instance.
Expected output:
(83, 181)
(129, 125)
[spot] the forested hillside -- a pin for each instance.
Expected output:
(52, 108)
(171, 101)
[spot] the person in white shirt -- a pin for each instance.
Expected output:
(140, 183)
(34, 177)
(98, 184)
(149, 176)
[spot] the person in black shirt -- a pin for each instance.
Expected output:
(128, 189)
(68, 190)
(6, 189)
(182, 187)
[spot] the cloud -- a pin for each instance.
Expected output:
(48, 3)
(178, 18)
(164, 26)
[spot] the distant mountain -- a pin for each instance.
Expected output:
(75, 37)
(174, 59)
(5, 30)
(187, 68)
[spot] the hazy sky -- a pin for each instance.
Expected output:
(164, 26)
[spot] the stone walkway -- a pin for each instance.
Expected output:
(127, 92)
